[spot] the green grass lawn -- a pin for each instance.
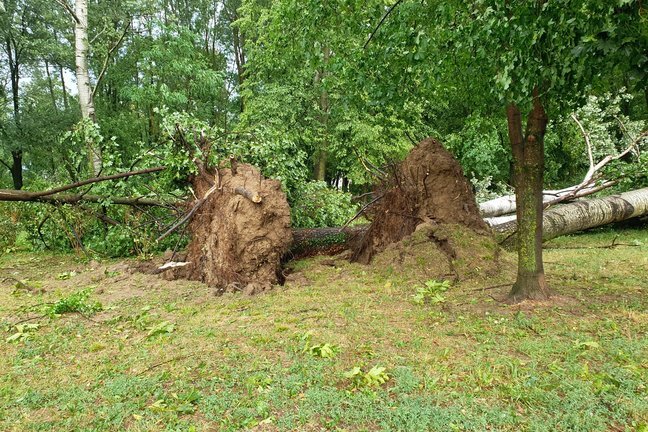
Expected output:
(164, 355)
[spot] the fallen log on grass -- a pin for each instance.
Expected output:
(505, 205)
(592, 181)
(588, 213)
(557, 221)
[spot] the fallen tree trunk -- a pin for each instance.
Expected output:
(506, 204)
(309, 241)
(559, 220)
(584, 214)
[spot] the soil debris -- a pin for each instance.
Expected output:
(428, 214)
(239, 234)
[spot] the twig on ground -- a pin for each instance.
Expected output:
(494, 286)
(150, 368)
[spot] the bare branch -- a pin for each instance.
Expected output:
(68, 9)
(112, 49)
(190, 214)
(389, 11)
(96, 180)
(587, 141)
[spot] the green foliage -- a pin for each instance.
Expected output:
(23, 332)
(75, 302)
(482, 148)
(485, 189)
(374, 377)
(314, 204)
(164, 327)
(325, 350)
(176, 74)
(322, 350)
(431, 292)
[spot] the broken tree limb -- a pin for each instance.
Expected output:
(252, 196)
(11, 192)
(190, 214)
(55, 196)
(551, 198)
(587, 213)
(506, 204)
(24, 196)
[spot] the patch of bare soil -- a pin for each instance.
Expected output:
(428, 220)
(240, 233)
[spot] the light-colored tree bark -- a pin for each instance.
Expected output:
(590, 213)
(590, 184)
(83, 77)
(503, 207)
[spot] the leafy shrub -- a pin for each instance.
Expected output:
(317, 205)
(375, 377)
(75, 302)
(431, 292)
(23, 332)
(327, 351)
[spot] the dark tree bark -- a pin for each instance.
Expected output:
(13, 55)
(528, 158)
(50, 85)
(16, 169)
(66, 104)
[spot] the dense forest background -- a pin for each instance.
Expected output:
(320, 95)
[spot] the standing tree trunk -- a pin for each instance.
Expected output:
(50, 85)
(528, 157)
(83, 78)
(319, 171)
(16, 169)
(13, 55)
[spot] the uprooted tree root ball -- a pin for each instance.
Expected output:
(427, 217)
(240, 232)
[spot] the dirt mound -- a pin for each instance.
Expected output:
(441, 251)
(240, 232)
(428, 188)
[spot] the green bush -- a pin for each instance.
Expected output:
(317, 205)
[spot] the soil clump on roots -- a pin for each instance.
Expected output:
(428, 220)
(240, 232)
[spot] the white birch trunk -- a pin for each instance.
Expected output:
(589, 213)
(504, 205)
(83, 77)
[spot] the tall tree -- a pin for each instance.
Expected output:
(520, 55)
(15, 25)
